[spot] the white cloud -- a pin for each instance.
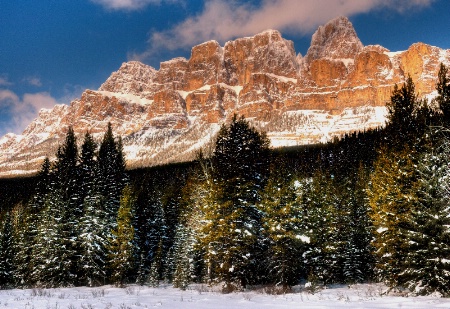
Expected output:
(23, 111)
(224, 20)
(129, 5)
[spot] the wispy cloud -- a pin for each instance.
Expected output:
(224, 20)
(4, 81)
(129, 5)
(33, 81)
(23, 110)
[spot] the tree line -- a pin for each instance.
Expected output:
(371, 206)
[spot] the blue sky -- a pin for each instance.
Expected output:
(51, 50)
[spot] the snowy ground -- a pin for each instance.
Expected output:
(199, 297)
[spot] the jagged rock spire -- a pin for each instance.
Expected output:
(336, 40)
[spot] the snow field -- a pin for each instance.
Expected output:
(201, 296)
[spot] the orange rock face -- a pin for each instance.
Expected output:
(261, 75)
(421, 62)
(167, 111)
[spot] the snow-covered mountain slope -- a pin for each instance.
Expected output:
(167, 115)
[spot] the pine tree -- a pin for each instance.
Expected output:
(407, 116)
(93, 242)
(282, 223)
(232, 233)
(401, 109)
(392, 200)
(151, 230)
(7, 253)
(112, 177)
(121, 245)
(357, 253)
(426, 265)
(155, 268)
(55, 246)
(443, 88)
(66, 171)
(183, 257)
(195, 198)
(88, 169)
(53, 250)
(27, 227)
(67, 184)
(318, 198)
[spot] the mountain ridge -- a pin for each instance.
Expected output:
(166, 115)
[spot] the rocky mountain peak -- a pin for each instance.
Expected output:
(132, 77)
(166, 115)
(336, 40)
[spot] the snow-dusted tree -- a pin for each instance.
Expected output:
(55, 249)
(53, 253)
(319, 200)
(112, 176)
(282, 222)
(93, 229)
(88, 168)
(66, 172)
(426, 264)
(155, 268)
(357, 250)
(196, 198)
(402, 115)
(443, 88)
(121, 245)
(151, 230)
(27, 227)
(7, 254)
(183, 259)
(392, 199)
(66, 184)
(93, 242)
(232, 231)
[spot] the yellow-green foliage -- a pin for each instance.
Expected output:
(121, 244)
(392, 199)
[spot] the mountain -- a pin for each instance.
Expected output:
(167, 115)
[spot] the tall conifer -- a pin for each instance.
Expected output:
(232, 234)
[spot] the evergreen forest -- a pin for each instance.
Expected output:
(371, 206)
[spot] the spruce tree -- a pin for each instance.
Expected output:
(7, 254)
(443, 89)
(66, 172)
(322, 258)
(93, 242)
(112, 177)
(150, 234)
(155, 268)
(407, 117)
(88, 169)
(183, 257)
(392, 200)
(53, 252)
(357, 251)
(232, 233)
(282, 222)
(27, 228)
(401, 109)
(426, 269)
(67, 184)
(55, 246)
(121, 245)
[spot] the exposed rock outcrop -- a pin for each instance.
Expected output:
(166, 115)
